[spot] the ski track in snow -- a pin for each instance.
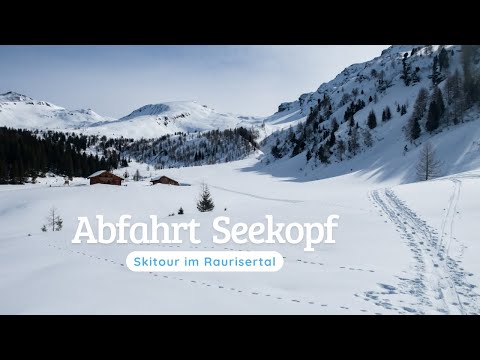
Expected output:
(449, 220)
(439, 284)
(291, 201)
(256, 196)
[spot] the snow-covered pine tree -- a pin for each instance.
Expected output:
(137, 176)
(406, 73)
(388, 113)
(415, 130)
(436, 76)
(367, 137)
(340, 149)
(353, 144)
(433, 118)
(443, 60)
(372, 120)
(420, 105)
(205, 202)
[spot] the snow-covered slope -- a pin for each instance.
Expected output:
(458, 148)
(23, 112)
(400, 248)
(377, 83)
(360, 76)
(155, 120)
(409, 249)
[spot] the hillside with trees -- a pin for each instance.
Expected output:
(25, 156)
(424, 90)
(196, 149)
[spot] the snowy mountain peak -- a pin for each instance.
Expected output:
(21, 111)
(385, 68)
(12, 96)
(86, 111)
(156, 120)
(168, 110)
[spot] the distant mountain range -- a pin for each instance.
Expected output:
(21, 111)
(149, 121)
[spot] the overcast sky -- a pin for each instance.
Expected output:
(115, 80)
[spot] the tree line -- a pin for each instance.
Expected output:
(27, 155)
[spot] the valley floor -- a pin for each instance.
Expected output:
(408, 249)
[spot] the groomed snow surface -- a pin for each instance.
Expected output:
(408, 249)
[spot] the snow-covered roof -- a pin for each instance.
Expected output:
(156, 178)
(97, 173)
(101, 172)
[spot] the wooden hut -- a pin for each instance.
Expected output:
(164, 180)
(105, 177)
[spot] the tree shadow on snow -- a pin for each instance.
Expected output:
(383, 168)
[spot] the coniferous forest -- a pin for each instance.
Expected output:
(182, 150)
(25, 155)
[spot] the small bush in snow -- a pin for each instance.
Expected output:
(54, 221)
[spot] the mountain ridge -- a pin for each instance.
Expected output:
(148, 121)
(343, 126)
